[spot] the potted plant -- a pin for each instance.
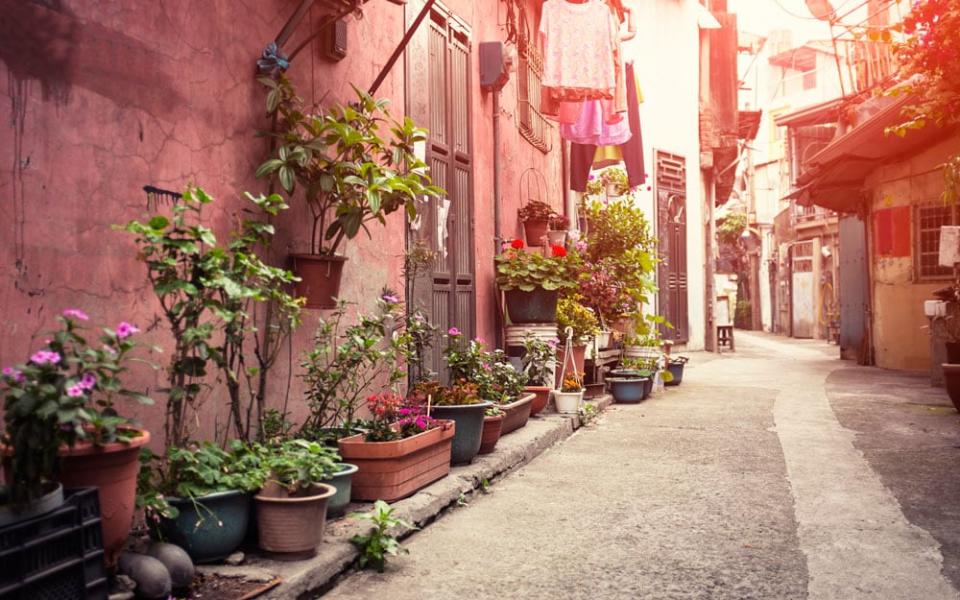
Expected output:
(557, 234)
(350, 173)
(629, 387)
(402, 451)
(492, 426)
(345, 361)
(637, 368)
(501, 383)
(531, 282)
(572, 313)
(675, 366)
(460, 403)
(199, 496)
(292, 504)
(539, 364)
(570, 396)
(615, 181)
(62, 423)
(535, 216)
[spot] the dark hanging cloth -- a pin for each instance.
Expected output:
(582, 155)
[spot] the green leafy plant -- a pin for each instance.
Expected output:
(379, 543)
(731, 228)
(491, 373)
(588, 412)
(347, 359)
(65, 392)
(536, 210)
(418, 261)
(539, 359)
(615, 177)
(527, 271)
(350, 172)
(297, 465)
(573, 314)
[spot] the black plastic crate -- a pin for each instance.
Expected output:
(56, 556)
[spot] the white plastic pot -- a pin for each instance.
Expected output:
(568, 403)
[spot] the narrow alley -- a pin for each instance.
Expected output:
(774, 472)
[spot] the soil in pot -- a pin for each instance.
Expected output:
(491, 434)
(538, 306)
(628, 390)
(535, 230)
(209, 528)
(292, 525)
(541, 397)
(113, 470)
(516, 413)
(951, 376)
(469, 428)
(342, 481)
(319, 278)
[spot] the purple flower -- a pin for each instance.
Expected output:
(553, 342)
(42, 357)
(76, 313)
(75, 390)
(14, 374)
(453, 331)
(125, 330)
(390, 298)
(88, 381)
(581, 246)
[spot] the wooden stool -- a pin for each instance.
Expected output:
(725, 338)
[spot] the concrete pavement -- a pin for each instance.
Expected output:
(774, 472)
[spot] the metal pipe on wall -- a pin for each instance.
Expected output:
(497, 234)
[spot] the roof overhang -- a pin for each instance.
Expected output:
(816, 114)
(835, 176)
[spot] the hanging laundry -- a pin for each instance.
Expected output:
(579, 56)
(584, 156)
(592, 128)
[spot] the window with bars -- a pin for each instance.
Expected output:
(929, 220)
(533, 127)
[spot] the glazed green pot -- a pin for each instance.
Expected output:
(342, 482)
(469, 430)
(209, 528)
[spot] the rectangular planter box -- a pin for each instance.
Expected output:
(393, 470)
(516, 414)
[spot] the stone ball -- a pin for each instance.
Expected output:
(176, 560)
(152, 577)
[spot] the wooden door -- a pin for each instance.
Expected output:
(671, 181)
(439, 88)
(802, 292)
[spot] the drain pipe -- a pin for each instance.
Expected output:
(497, 234)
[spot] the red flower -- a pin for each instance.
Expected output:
(517, 244)
(558, 251)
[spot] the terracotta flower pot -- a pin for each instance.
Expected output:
(541, 397)
(393, 470)
(319, 278)
(535, 231)
(491, 433)
(113, 470)
(516, 413)
(292, 524)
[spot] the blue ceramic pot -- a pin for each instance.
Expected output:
(628, 390)
(209, 528)
(342, 482)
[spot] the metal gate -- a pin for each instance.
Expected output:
(853, 288)
(802, 292)
(671, 180)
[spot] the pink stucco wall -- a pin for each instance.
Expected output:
(106, 97)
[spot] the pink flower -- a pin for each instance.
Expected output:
(581, 246)
(390, 298)
(125, 330)
(110, 349)
(43, 357)
(480, 341)
(14, 374)
(88, 381)
(75, 390)
(553, 342)
(453, 331)
(76, 313)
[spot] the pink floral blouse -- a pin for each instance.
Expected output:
(578, 45)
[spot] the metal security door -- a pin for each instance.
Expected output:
(853, 288)
(671, 180)
(802, 292)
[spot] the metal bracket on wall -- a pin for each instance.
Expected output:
(157, 195)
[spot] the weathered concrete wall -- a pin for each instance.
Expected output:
(107, 97)
(900, 337)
